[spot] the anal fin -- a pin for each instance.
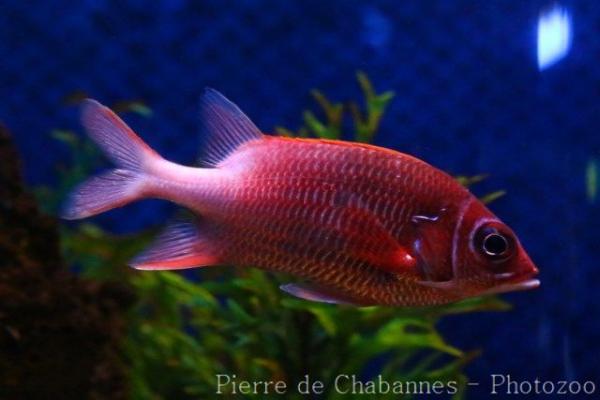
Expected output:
(182, 245)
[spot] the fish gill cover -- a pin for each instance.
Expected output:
(187, 328)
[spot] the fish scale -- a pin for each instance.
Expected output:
(281, 205)
(360, 224)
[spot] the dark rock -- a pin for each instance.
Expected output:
(60, 335)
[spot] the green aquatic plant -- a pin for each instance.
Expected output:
(364, 123)
(471, 180)
(183, 333)
(591, 180)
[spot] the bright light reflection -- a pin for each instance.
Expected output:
(553, 36)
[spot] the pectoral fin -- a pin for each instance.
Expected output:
(379, 246)
(445, 285)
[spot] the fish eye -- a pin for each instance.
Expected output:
(493, 243)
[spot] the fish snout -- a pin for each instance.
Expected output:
(522, 275)
(525, 266)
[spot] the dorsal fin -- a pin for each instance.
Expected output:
(224, 127)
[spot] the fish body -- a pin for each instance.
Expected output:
(362, 224)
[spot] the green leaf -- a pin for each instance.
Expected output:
(470, 180)
(488, 198)
(591, 180)
(141, 109)
(366, 126)
(239, 313)
(322, 312)
(284, 131)
(317, 127)
(413, 333)
(66, 136)
(133, 106)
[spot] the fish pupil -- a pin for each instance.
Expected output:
(495, 244)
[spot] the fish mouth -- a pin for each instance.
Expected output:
(514, 283)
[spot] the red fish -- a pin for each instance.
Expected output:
(361, 224)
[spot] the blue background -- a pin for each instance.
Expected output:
(470, 99)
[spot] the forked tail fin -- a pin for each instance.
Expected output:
(130, 154)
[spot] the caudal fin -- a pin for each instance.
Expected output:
(119, 186)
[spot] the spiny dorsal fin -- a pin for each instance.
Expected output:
(224, 127)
